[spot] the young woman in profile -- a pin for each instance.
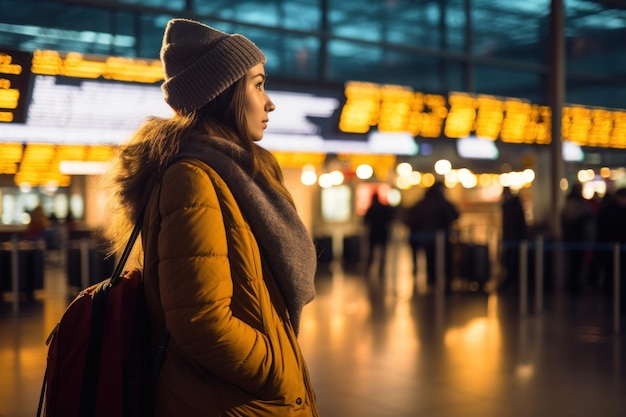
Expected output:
(227, 263)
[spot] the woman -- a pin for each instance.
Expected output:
(228, 264)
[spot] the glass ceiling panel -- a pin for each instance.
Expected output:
(353, 61)
(55, 26)
(402, 22)
(381, 39)
(510, 83)
(263, 13)
(511, 30)
(149, 34)
(295, 14)
(456, 23)
(590, 15)
(166, 4)
(293, 57)
(595, 39)
(302, 14)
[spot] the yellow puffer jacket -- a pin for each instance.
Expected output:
(233, 351)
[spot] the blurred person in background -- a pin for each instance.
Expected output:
(577, 231)
(601, 268)
(37, 225)
(514, 230)
(378, 219)
(430, 215)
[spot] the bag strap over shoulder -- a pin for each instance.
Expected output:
(117, 272)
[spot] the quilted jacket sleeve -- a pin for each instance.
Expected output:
(196, 286)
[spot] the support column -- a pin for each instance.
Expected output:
(557, 98)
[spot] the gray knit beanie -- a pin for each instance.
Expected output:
(200, 62)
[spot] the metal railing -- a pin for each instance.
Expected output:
(540, 247)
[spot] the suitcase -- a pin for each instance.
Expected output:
(352, 249)
(474, 264)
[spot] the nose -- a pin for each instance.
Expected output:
(270, 106)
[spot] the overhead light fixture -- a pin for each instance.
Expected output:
(474, 147)
(572, 152)
(82, 167)
(399, 143)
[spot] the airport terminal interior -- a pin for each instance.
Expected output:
(373, 97)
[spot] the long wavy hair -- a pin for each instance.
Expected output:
(138, 164)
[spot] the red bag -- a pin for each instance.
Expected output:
(99, 354)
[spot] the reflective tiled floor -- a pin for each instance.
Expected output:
(376, 349)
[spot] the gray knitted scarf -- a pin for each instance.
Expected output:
(282, 236)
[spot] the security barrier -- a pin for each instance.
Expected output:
(21, 266)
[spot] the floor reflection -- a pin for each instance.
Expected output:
(380, 346)
(386, 346)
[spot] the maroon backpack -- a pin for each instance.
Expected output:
(100, 362)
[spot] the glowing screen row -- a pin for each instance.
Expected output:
(394, 108)
(71, 97)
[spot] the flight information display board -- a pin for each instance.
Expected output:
(14, 82)
(78, 99)
(394, 108)
(53, 97)
(77, 65)
(73, 98)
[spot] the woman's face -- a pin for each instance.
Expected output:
(257, 103)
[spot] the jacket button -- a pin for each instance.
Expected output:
(298, 400)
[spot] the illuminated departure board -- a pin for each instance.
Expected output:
(509, 119)
(71, 110)
(74, 64)
(594, 127)
(394, 108)
(14, 80)
(56, 97)
(77, 98)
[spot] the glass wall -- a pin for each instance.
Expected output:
(481, 46)
(512, 31)
(595, 56)
(509, 82)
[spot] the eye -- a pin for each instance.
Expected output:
(262, 82)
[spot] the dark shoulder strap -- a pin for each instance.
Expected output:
(119, 267)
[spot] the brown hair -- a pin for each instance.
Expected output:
(150, 150)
